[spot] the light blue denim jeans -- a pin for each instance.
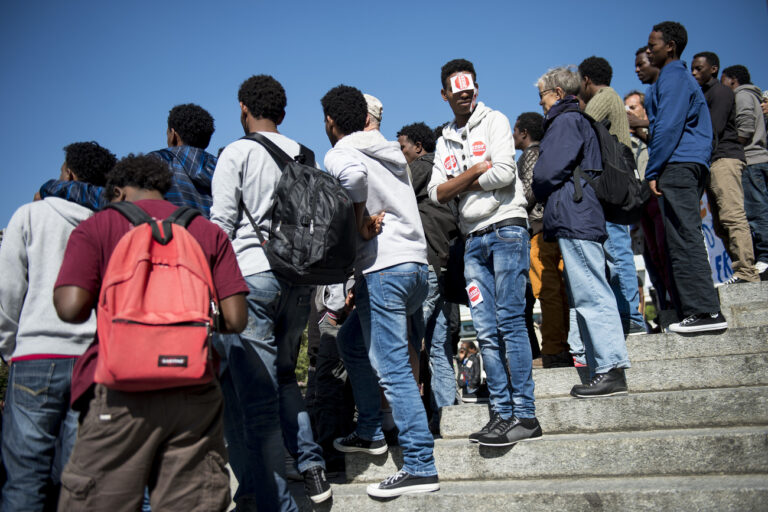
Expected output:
(264, 409)
(596, 337)
(39, 431)
(498, 263)
(437, 340)
(754, 179)
(623, 274)
(384, 299)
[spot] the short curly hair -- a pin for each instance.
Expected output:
(673, 31)
(264, 97)
(419, 132)
(738, 72)
(453, 66)
(141, 171)
(597, 69)
(347, 107)
(711, 58)
(89, 161)
(193, 124)
(642, 49)
(533, 123)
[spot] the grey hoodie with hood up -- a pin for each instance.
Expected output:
(30, 257)
(374, 171)
(749, 123)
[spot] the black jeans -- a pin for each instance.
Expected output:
(682, 185)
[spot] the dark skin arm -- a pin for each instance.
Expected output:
(74, 304)
(367, 226)
(466, 181)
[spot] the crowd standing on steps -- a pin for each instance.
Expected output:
(440, 221)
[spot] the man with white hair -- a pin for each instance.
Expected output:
(595, 336)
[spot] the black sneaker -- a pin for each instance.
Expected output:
(512, 431)
(468, 398)
(563, 359)
(403, 483)
(495, 419)
(355, 443)
(316, 485)
(700, 322)
(732, 280)
(611, 383)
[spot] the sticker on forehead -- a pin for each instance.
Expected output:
(462, 82)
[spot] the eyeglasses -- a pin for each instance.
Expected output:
(544, 93)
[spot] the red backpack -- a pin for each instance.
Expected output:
(157, 307)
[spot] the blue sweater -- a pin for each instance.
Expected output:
(680, 124)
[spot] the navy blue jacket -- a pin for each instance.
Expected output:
(569, 141)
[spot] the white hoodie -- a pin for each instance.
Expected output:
(30, 257)
(373, 170)
(486, 136)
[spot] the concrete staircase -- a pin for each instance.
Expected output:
(691, 435)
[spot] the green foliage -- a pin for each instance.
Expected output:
(302, 363)
(650, 312)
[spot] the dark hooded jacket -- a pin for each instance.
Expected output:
(439, 222)
(569, 141)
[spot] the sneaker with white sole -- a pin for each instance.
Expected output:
(355, 443)
(512, 431)
(732, 280)
(316, 484)
(495, 419)
(403, 482)
(700, 322)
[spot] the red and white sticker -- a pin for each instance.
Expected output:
(462, 82)
(478, 148)
(451, 164)
(473, 291)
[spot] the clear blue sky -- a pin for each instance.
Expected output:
(110, 71)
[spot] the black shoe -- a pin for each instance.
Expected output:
(355, 443)
(562, 360)
(611, 383)
(316, 485)
(468, 398)
(700, 322)
(495, 419)
(732, 280)
(403, 483)
(635, 329)
(512, 431)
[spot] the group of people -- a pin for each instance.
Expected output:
(420, 203)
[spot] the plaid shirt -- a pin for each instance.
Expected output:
(192, 170)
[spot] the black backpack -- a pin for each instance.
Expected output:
(313, 231)
(617, 185)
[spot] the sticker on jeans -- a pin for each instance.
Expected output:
(462, 82)
(473, 291)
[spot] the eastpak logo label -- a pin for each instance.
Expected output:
(173, 361)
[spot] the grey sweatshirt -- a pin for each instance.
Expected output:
(246, 170)
(30, 256)
(749, 123)
(373, 170)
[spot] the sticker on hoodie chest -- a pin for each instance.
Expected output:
(478, 148)
(473, 291)
(451, 164)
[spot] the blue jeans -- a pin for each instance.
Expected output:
(498, 263)
(383, 300)
(39, 431)
(437, 340)
(264, 409)
(754, 179)
(623, 274)
(595, 336)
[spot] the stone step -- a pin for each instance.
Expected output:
(745, 304)
(668, 375)
(650, 347)
(700, 493)
(607, 454)
(640, 411)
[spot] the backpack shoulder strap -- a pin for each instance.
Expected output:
(183, 216)
(130, 211)
(137, 216)
(281, 158)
